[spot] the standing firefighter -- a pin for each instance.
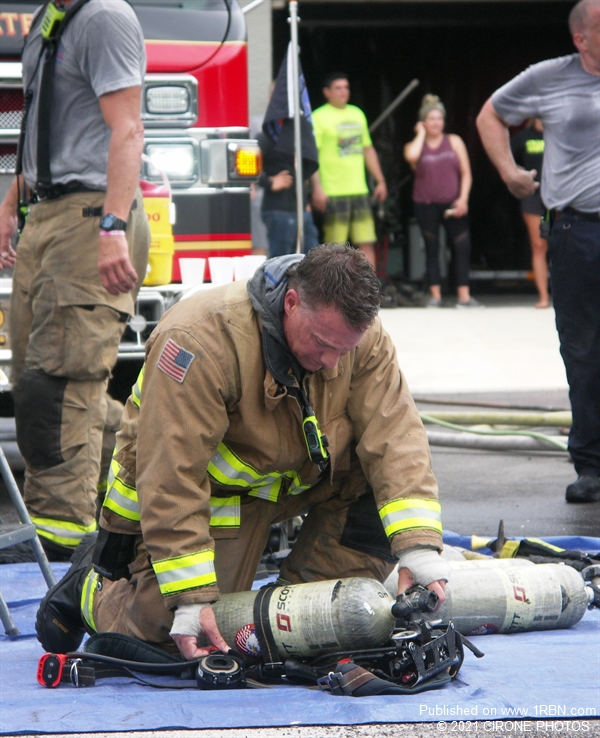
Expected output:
(81, 255)
(220, 439)
(564, 94)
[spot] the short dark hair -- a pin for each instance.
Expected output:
(333, 76)
(340, 276)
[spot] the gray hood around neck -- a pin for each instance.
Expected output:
(267, 290)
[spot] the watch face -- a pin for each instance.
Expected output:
(107, 222)
(110, 222)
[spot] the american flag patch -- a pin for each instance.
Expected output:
(175, 361)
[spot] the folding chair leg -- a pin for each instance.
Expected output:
(17, 501)
(9, 627)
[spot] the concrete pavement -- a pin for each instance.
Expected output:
(508, 346)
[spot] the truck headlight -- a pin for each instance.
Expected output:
(177, 159)
(167, 100)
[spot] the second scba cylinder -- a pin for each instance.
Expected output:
(510, 596)
(311, 619)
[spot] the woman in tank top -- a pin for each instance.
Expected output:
(441, 195)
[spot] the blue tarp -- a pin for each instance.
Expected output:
(540, 675)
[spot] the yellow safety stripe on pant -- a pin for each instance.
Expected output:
(225, 512)
(228, 469)
(90, 586)
(186, 572)
(409, 513)
(121, 498)
(58, 531)
(136, 390)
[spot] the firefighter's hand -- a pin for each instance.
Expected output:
(406, 581)
(521, 182)
(189, 622)
(8, 225)
(116, 271)
(281, 181)
(422, 565)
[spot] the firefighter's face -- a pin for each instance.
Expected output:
(338, 93)
(318, 339)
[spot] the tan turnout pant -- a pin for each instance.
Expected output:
(65, 330)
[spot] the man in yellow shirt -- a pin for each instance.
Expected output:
(345, 148)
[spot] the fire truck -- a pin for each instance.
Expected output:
(195, 114)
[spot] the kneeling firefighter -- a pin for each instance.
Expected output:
(258, 402)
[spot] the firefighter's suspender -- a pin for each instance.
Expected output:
(50, 47)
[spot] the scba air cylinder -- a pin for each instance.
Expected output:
(311, 619)
(500, 597)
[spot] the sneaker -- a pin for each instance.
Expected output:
(470, 303)
(58, 623)
(585, 489)
(434, 302)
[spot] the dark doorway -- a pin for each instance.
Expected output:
(459, 51)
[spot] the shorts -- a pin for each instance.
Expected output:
(349, 219)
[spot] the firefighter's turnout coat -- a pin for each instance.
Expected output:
(208, 428)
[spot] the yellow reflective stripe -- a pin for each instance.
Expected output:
(136, 390)
(409, 513)
(225, 512)
(121, 498)
(227, 468)
(547, 545)
(90, 586)
(186, 572)
(61, 532)
(296, 486)
(269, 492)
(509, 549)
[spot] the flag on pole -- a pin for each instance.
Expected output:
(279, 119)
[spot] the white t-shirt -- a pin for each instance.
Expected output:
(567, 100)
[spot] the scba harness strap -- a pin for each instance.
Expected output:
(109, 655)
(403, 667)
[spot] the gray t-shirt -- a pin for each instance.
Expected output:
(101, 51)
(567, 99)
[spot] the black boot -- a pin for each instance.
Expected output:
(58, 623)
(21, 553)
(585, 489)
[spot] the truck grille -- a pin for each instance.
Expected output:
(11, 107)
(8, 158)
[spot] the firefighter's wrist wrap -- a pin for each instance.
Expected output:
(425, 565)
(187, 619)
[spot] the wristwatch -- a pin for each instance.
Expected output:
(110, 222)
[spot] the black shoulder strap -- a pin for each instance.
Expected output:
(50, 47)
